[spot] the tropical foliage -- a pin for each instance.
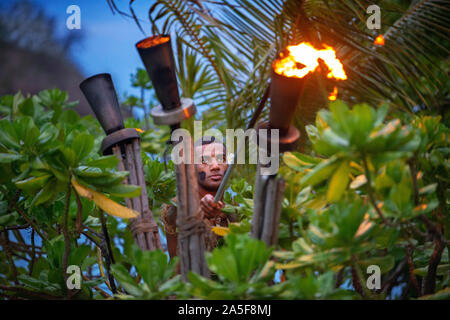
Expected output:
(368, 188)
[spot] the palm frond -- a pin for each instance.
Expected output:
(241, 39)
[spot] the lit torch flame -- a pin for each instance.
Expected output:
(333, 95)
(152, 41)
(304, 58)
(379, 41)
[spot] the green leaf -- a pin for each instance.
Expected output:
(338, 183)
(46, 193)
(105, 162)
(123, 190)
(27, 131)
(3, 207)
(153, 266)
(298, 161)
(223, 262)
(341, 117)
(39, 284)
(8, 136)
(82, 145)
(62, 176)
(8, 219)
(334, 139)
(320, 172)
(79, 254)
(381, 114)
(69, 117)
(348, 217)
(27, 107)
(90, 172)
(400, 194)
(363, 123)
(204, 284)
(126, 281)
(33, 183)
(6, 103)
(9, 157)
(239, 259)
(48, 133)
(109, 179)
(69, 156)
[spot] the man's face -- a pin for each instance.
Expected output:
(210, 172)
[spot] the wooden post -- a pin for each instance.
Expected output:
(268, 198)
(191, 229)
(144, 227)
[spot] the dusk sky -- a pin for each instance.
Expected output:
(108, 39)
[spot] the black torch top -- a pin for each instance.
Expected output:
(101, 95)
(157, 55)
(285, 93)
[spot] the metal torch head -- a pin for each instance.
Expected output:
(101, 95)
(157, 55)
(285, 93)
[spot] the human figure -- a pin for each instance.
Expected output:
(209, 176)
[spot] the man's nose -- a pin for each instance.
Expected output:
(214, 164)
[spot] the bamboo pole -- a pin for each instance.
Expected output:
(277, 214)
(197, 242)
(121, 167)
(267, 207)
(144, 227)
(191, 244)
(183, 242)
(132, 179)
(269, 210)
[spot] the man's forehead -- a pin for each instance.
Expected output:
(211, 148)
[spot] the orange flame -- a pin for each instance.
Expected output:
(333, 95)
(379, 41)
(152, 41)
(304, 58)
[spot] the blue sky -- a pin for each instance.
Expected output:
(108, 39)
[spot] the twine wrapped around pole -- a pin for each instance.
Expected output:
(144, 227)
(191, 228)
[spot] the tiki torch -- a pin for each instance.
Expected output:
(157, 55)
(285, 93)
(125, 144)
(290, 73)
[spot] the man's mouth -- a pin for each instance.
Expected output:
(216, 177)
